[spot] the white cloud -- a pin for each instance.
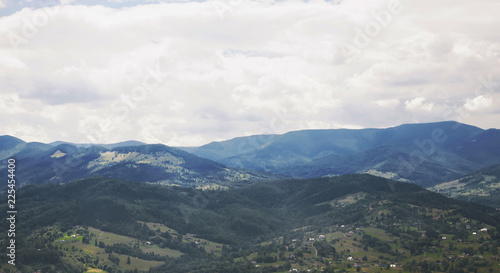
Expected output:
(11, 62)
(478, 103)
(263, 66)
(418, 104)
(391, 103)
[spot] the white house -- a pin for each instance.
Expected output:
(350, 258)
(484, 230)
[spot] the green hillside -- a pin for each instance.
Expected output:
(482, 187)
(374, 221)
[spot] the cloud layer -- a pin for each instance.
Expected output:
(193, 72)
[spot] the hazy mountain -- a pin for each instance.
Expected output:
(427, 154)
(424, 153)
(10, 146)
(481, 187)
(279, 225)
(42, 163)
(109, 146)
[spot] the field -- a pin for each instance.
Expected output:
(210, 247)
(74, 247)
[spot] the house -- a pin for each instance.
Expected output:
(73, 236)
(393, 265)
(148, 242)
(322, 237)
(483, 230)
(473, 233)
(350, 258)
(443, 238)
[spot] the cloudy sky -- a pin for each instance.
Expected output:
(191, 72)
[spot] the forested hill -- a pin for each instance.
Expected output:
(482, 187)
(237, 218)
(39, 163)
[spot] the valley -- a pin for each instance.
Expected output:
(347, 223)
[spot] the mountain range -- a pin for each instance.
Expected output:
(426, 154)
(305, 201)
(39, 163)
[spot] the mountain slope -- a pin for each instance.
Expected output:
(424, 153)
(10, 146)
(358, 215)
(42, 163)
(483, 148)
(482, 187)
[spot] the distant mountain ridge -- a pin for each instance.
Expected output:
(427, 154)
(39, 163)
(109, 146)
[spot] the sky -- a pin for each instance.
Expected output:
(185, 73)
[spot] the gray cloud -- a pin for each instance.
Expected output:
(188, 73)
